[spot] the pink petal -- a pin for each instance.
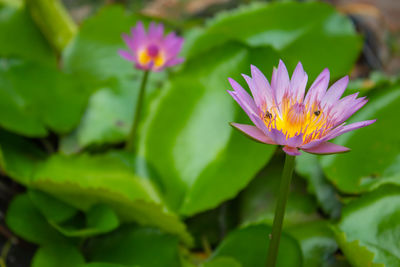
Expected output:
(298, 82)
(347, 128)
(138, 35)
(126, 55)
(291, 151)
(243, 96)
(254, 90)
(263, 87)
(254, 133)
(326, 148)
(278, 137)
(335, 91)
(281, 83)
(247, 107)
(156, 32)
(172, 47)
(295, 141)
(349, 109)
(318, 88)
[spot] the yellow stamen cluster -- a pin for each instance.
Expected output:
(145, 58)
(293, 118)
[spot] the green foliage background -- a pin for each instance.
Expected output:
(196, 193)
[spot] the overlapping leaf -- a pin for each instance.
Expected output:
(291, 30)
(36, 98)
(369, 230)
(133, 246)
(374, 158)
(188, 139)
(19, 37)
(84, 181)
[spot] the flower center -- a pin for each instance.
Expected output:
(152, 51)
(296, 115)
(297, 118)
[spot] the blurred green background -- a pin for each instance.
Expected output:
(196, 192)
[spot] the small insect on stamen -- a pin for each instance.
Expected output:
(316, 113)
(267, 115)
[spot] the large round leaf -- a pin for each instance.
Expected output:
(37, 97)
(300, 31)
(20, 37)
(133, 246)
(84, 181)
(188, 140)
(317, 243)
(375, 149)
(93, 54)
(369, 231)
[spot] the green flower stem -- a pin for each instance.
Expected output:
(136, 116)
(280, 211)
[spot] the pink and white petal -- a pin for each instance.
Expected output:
(295, 141)
(282, 82)
(278, 137)
(247, 107)
(139, 35)
(292, 151)
(298, 82)
(335, 92)
(170, 37)
(243, 95)
(350, 110)
(258, 99)
(318, 88)
(173, 47)
(156, 31)
(126, 55)
(347, 128)
(261, 83)
(326, 148)
(260, 124)
(253, 132)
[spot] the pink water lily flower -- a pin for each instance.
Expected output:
(151, 50)
(283, 116)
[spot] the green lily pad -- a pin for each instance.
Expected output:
(375, 149)
(369, 230)
(146, 247)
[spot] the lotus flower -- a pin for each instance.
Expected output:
(283, 116)
(152, 51)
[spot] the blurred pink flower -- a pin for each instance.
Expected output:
(151, 50)
(283, 116)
